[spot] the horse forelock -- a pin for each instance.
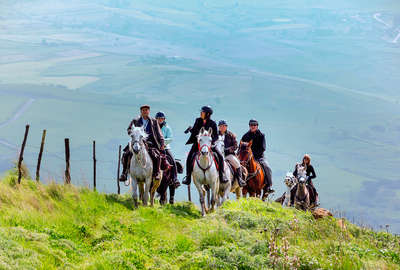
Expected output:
(139, 131)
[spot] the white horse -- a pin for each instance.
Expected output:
(205, 174)
(290, 182)
(141, 169)
(224, 188)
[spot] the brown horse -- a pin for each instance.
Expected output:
(255, 177)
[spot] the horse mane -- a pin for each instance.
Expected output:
(244, 146)
(141, 131)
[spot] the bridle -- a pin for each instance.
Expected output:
(246, 162)
(140, 160)
(197, 158)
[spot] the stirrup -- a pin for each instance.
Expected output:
(123, 177)
(186, 180)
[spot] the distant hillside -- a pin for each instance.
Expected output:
(65, 227)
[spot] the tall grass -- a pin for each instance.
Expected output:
(64, 227)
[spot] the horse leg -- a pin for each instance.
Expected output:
(171, 194)
(153, 189)
(238, 193)
(141, 191)
(134, 192)
(244, 192)
(201, 197)
(213, 190)
(147, 186)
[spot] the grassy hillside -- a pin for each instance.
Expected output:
(57, 226)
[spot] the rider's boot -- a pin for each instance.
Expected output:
(239, 178)
(223, 177)
(187, 180)
(125, 163)
(157, 169)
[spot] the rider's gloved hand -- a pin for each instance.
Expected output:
(188, 130)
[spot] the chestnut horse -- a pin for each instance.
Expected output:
(255, 178)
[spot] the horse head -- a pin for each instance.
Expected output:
(138, 135)
(302, 182)
(245, 151)
(290, 180)
(204, 140)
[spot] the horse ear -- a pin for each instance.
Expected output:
(201, 130)
(250, 143)
(210, 131)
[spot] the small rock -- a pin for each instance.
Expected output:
(321, 213)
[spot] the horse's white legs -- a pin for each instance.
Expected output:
(214, 192)
(134, 191)
(201, 196)
(208, 197)
(146, 191)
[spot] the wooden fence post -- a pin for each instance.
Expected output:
(189, 194)
(94, 165)
(21, 154)
(67, 166)
(40, 156)
(119, 164)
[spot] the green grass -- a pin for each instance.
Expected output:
(65, 227)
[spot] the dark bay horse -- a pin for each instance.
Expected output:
(167, 181)
(255, 178)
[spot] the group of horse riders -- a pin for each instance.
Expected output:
(160, 136)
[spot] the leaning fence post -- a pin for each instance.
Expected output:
(119, 164)
(94, 165)
(21, 154)
(67, 166)
(40, 156)
(189, 195)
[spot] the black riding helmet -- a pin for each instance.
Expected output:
(253, 122)
(222, 123)
(208, 110)
(160, 115)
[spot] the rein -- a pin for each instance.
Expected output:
(198, 164)
(247, 162)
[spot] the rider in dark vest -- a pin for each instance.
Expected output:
(154, 142)
(203, 121)
(258, 148)
(231, 145)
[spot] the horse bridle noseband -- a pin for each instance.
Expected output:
(140, 161)
(197, 159)
(246, 162)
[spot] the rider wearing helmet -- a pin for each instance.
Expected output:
(258, 148)
(154, 142)
(204, 121)
(167, 133)
(231, 146)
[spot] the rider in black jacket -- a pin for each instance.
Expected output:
(203, 121)
(258, 148)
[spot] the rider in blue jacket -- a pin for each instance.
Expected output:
(167, 133)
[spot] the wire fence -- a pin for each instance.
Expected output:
(54, 166)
